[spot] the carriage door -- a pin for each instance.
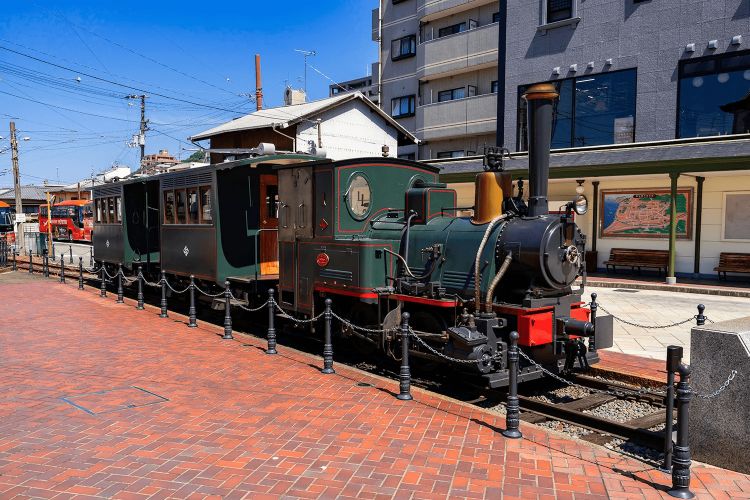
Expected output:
(269, 224)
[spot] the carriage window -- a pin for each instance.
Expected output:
(192, 199)
(43, 211)
(205, 204)
(359, 195)
(272, 201)
(180, 206)
(111, 218)
(118, 209)
(88, 211)
(169, 207)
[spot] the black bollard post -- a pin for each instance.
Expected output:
(163, 313)
(62, 268)
(103, 289)
(45, 265)
(404, 376)
(140, 289)
(31, 263)
(119, 285)
(227, 313)
(71, 253)
(15, 265)
(594, 307)
(80, 273)
(271, 336)
(53, 250)
(700, 319)
(512, 410)
(327, 345)
(91, 257)
(674, 358)
(192, 321)
(681, 460)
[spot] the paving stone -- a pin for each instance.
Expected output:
(238, 423)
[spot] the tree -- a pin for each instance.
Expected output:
(198, 156)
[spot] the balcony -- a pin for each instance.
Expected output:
(454, 54)
(428, 10)
(469, 116)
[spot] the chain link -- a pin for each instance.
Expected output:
(178, 292)
(639, 325)
(361, 328)
(248, 309)
(286, 315)
(444, 356)
(721, 389)
(639, 391)
(212, 295)
(154, 284)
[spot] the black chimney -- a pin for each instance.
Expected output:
(539, 99)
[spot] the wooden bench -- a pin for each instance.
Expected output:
(733, 263)
(636, 258)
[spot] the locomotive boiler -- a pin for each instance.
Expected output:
(382, 238)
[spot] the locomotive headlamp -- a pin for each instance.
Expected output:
(580, 204)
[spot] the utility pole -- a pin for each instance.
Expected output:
(16, 185)
(144, 124)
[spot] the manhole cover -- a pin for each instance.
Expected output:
(625, 290)
(96, 403)
(364, 384)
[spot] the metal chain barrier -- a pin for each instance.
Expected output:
(361, 328)
(286, 315)
(721, 389)
(441, 355)
(245, 308)
(652, 327)
(212, 295)
(149, 283)
(109, 275)
(178, 292)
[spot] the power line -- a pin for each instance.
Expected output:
(67, 109)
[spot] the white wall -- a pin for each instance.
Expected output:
(351, 130)
(712, 242)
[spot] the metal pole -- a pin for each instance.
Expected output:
(674, 358)
(327, 345)
(698, 223)
(62, 268)
(192, 322)
(671, 274)
(70, 247)
(16, 182)
(80, 272)
(45, 265)
(227, 313)
(594, 307)
(681, 465)
(119, 285)
(91, 257)
(15, 264)
(163, 313)
(140, 289)
(512, 410)
(103, 289)
(271, 336)
(404, 375)
(700, 319)
(31, 263)
(53, 251)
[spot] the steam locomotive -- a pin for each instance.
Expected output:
(380, 236)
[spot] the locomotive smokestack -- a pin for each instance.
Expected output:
(539, 98)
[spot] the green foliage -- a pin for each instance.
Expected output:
(198, 156)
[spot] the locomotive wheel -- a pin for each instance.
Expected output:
(365, 315)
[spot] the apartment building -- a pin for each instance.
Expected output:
(654, 99)
(438, 73)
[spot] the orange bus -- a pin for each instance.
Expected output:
(71, 220)
(6, 218)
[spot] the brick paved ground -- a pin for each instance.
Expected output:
(100, 400)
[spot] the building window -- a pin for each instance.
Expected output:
(408, 156)
(397, 1)
(458, 153)
(452, 94)
(404, 47)
(402, 106)
(493, 87)
(496, 17)
(714, 95)
(452, 30)
(592, 110)
(558, 10)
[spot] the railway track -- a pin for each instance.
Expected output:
(537, 406)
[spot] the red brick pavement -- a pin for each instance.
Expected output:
(238, 423)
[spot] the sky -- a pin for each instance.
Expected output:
(66, 67)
